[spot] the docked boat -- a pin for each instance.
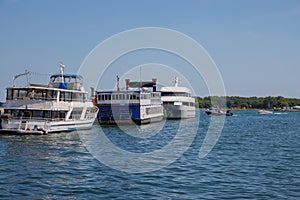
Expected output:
(139, 103)
(41, 109)
(178, 102)
(265, 112)
(217, 112)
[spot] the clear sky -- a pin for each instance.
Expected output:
(255, 43)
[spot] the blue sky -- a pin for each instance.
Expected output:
(255, 44)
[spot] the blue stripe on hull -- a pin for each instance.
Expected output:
(111, 114)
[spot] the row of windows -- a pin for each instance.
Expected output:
(104, 97)
(183, 103)
(43, 94)
(155, 95)
(47, 114)
(181, 94)
(155, 110)
(43, 114)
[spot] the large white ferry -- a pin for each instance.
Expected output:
(178, 102)
(137, 104)
(40, 109)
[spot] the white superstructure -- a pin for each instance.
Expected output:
(178, 102)
(40, 109)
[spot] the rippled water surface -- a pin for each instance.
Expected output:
(256, 157)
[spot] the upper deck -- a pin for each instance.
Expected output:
(62, 87)
(175, 91)
(44, 93)
(140, 95)
(66, 81)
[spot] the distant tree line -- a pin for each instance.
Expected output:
(236, 102)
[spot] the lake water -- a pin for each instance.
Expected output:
(255, 157)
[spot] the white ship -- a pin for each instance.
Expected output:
(40, 109)
(178, 102)
(137, 104)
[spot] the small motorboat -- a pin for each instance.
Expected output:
(265, 112)
(218, 112)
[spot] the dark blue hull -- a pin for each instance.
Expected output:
(121, 114)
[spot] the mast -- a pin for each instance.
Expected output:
(62, 67)
(118, 83)
(176, 81)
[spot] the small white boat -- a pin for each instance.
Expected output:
(216, 111)
(178, 102)
(40, 109)
(265, 112)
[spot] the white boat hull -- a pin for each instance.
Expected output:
(38, 127)
(44, 127)
(265, 112)
(179, 111)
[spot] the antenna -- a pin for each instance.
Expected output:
(176, 81)
(118, 83)
(62, 67)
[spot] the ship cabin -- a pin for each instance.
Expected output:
(61, 88)
(135, 93)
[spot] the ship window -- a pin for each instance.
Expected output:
(7, 111)
(62, 114)
(15, 94)
(62, 96)
(15, 113)
(133, 96)
(107, 97)
(22, 93)
(26, 114)
(37, 113)
(38, 94)
(55, 93)
(9, 95)
(78, 96)
(49, 94)
(76, 114)
(47, 114)
(55, 114)
(68, 96)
